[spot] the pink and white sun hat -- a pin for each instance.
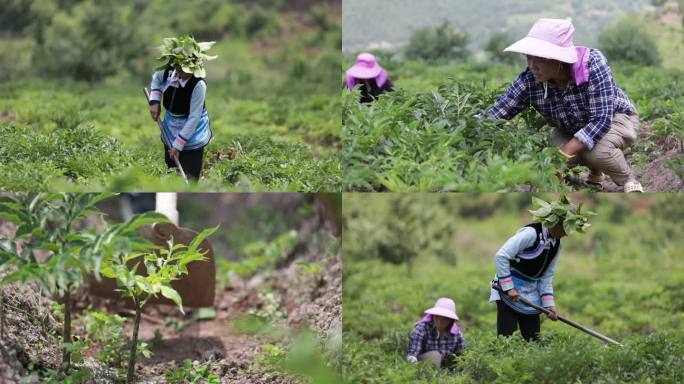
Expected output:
(550, 39)
(366, 67)
(443, 307)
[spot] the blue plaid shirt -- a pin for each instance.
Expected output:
(424, 339)
(584, 110)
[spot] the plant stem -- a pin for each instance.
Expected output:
(134, 344)
(2, 314)
(66, 355)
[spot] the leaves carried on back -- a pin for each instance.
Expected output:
(561, 210)
(185, 53)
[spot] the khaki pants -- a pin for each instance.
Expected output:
(607, 156)
(433, 356)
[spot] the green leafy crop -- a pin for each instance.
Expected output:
(162, 265)
(52, 224)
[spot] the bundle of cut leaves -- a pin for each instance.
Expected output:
(185, 53)
(561, 210)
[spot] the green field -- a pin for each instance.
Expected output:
(427, 137)
(271, 98)
(622, 278)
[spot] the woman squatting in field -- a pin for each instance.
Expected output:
(437, 337)
(574, 87)
(373, 79)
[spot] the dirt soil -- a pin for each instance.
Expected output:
(655, 175)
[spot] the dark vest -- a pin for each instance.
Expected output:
(182, 96)
(537, 258)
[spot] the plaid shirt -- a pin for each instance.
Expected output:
(424, 339)
(584, 110)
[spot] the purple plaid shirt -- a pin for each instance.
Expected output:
(424, 339)
(584, 110)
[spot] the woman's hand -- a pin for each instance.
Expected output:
(552, 313)
(173, 152)
(573, 147)
(154, 111)
(513, 294)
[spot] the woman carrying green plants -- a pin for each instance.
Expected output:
(526, 264)
(437, 337)
(180, 85)
(574, 87)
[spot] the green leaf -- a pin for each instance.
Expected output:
(195, 243)
(172, 295)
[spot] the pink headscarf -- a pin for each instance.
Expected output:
(580, 69)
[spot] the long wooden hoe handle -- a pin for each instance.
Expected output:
(161, 129)
(563, 319)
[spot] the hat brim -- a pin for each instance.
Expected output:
(442, 312)
(360, 72)
(540, 48)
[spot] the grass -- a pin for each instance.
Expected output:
(102, 138)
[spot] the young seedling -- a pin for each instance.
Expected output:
(163, 265)
(51, 223)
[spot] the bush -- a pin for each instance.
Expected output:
(92, 39)
(442, 43)
(496, 44)
(628, 41)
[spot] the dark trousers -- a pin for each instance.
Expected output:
(191, 161)
(508, 320)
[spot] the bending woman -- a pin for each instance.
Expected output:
(179, 84)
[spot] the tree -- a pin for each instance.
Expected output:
(628, 41)
(443, 43)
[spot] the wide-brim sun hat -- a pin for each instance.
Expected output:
(549, 39)
(443, 307)
(366, 67)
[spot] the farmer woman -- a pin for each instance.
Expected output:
(436, 337)
(574, 87)
(372, 77)
(526, 263)
(179, 84)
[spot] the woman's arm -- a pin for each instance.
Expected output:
(196, 110)
(156, 87)
(524, 238)
(515, 100)
(417, 337)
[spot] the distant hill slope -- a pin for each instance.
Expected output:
(373, 21)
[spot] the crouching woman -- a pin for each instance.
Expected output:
(437, 337)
